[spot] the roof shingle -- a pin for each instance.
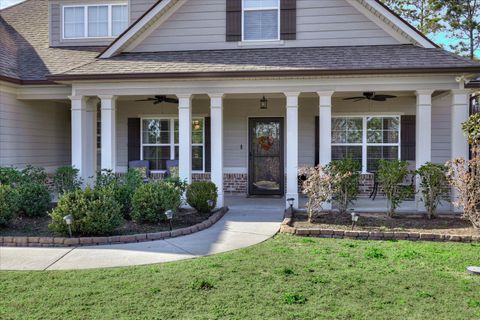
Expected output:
(25, 53)
(367, 58)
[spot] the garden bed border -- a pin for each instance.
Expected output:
(287, 227)
(26, 241)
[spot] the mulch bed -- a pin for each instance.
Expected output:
(444, 224)
(38, 227)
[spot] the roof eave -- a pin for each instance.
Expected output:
(248, 74)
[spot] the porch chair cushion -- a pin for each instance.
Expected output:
(140, 164)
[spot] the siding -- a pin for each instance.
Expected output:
(441, 127)
(200, 24)
(55, 13)
(139, 7)
(236, 114)
(36, 133)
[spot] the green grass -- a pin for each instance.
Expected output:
(284, 278)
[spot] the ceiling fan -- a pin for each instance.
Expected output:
(161, 99)
(371, 96)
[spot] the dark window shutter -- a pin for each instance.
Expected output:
(234, 20)
(317, 140)
(133, 139)
(408, 137)
(208, 145)
(288, 19)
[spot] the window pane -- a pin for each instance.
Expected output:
(197, 131)
(347, 130)
(341, 152)
(156, 131)
(98, 21)
(261, 25)
(74, 26)
(375, 153)
(157, 156)
(252, 4)
(175, 132)
(197, 158)
(383, 130)
(119, 19)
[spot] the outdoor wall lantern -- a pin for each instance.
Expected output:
(354, 219)
(169, 214)
(264, 103)
(69, 220)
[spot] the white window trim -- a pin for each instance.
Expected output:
(261, 9)
(171, 143)
(365, 144)
(85, 20)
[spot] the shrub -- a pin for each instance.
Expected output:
(198, 194)
(464, 175)
(66, 180)
(123, 187)
(8, 203)
(175, 180)
(34, 174)
(320, 186)
(391, 173)
(151, 200)
(94, 211)
(33, 199)
(433, 182)
(349, 172)
(10, 176)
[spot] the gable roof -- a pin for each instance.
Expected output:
(148, 21)
(273, 62)
(25, 54)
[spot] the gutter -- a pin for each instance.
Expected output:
(26, 82)
(250, 74)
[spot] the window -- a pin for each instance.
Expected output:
(74, 22)
(366, 139)
(160, 142)
(94, 21)
(261, 20)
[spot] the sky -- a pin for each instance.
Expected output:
(440, 38)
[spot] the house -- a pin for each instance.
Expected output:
(240, 92)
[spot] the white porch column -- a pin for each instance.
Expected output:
(423, 137)
(185, 136)
(83, 137)
(460, 114)
(108, 133)
(325, 135)
(292, 147)
(216, 123)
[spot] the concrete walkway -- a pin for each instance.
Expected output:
(249, 221)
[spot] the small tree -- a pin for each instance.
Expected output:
(391, 173)
(320, 187)
(464, 175)
(347, 190)
(433, 183)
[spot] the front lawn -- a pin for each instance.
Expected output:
(284, 278)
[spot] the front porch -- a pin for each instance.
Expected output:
(247, 147)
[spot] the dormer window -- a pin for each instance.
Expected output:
(261, 20)
(94, 21)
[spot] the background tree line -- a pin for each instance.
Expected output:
(459, 20)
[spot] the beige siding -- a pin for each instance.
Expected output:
(200, 24)
(36, 133)
(441, 127)
(56, 29)
(139, 7)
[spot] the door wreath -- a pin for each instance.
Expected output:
(266, 142)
